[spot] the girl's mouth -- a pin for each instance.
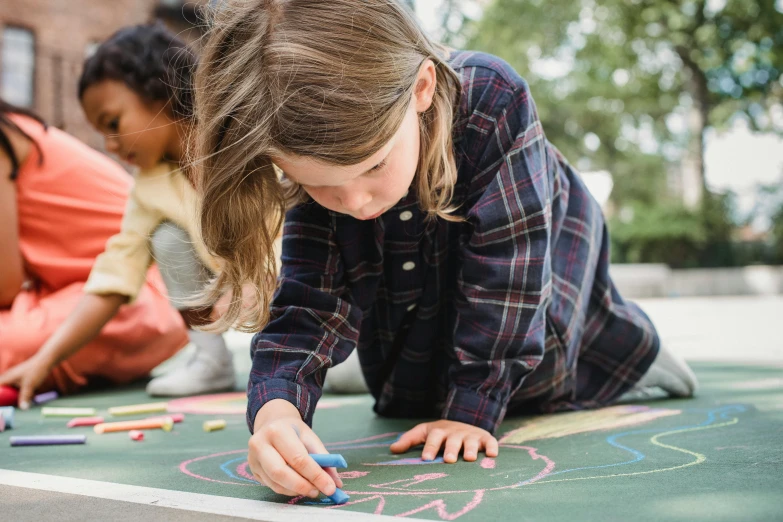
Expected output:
(379, 214)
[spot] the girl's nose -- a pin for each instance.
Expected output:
(353, 201)
(112, 144)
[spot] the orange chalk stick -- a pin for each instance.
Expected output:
(84, 421)
(176, 417)
(136, 435)
(165, 423)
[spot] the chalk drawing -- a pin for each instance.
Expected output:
(487, 463)
(574, 422)
(442, 489)
(709, 423)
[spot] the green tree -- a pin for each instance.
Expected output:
(644, 77)
(669, 232)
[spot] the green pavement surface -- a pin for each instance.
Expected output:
(718, 456)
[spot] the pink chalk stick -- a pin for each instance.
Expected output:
(84, 421)
(176, 417)
(136, 435)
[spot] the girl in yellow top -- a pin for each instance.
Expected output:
(135, 90)
(60, 201)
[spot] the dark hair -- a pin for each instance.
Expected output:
(6, 123)
(151, 60)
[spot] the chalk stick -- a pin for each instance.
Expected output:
(43, 398)
(339, 497)
(137, 409)
(334, 460)
(2, 424)
(47, 440)
(164, 423)
(7, 413)
(176, 417)
(67, 412)
(84, 421)
(214, 425)
(136, 435)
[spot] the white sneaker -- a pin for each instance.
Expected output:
(202, 374)
(671, 373)
(638, 394)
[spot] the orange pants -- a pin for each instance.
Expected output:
(128, 347)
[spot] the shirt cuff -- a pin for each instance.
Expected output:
(112, 276)
(262, 392)
(465, 405)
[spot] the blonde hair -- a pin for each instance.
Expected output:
(328, 79)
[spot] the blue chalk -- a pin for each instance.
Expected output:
(8, 415)
(339, 497)
(329, 461)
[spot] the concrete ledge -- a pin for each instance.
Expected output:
(655, 280)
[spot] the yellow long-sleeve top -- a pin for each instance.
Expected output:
(159, 194)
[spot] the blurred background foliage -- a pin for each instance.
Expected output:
(631, 87)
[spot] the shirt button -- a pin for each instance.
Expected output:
(406, 215)
(411, 307)
(410, 265)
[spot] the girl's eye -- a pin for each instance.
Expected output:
(113, 125)
(378, 167)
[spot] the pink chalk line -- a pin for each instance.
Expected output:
(440, 507)
(242, 471)
(487, 463)
(417, 479)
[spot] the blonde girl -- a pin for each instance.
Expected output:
(431, 226)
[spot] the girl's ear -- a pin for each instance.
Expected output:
(426, 82)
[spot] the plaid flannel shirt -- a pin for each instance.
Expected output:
(510, 310)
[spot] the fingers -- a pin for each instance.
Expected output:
(453, 445)
(335, 476)
(11, 377)
(270, 469)
(490, 445)
(308, 468)
(314, 445)
(411, 438)
(25, 394)
(281, 477)
(472, 445)
(432, 446)
(262, 478)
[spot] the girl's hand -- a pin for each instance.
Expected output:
(455, 436)
(279, 449)
(249, 296)
(27, 376)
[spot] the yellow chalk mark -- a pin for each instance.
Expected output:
(699, 456)
(571, 423)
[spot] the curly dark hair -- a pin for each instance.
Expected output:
(5, 142)
(151, 60)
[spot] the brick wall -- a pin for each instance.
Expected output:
(64, 30)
